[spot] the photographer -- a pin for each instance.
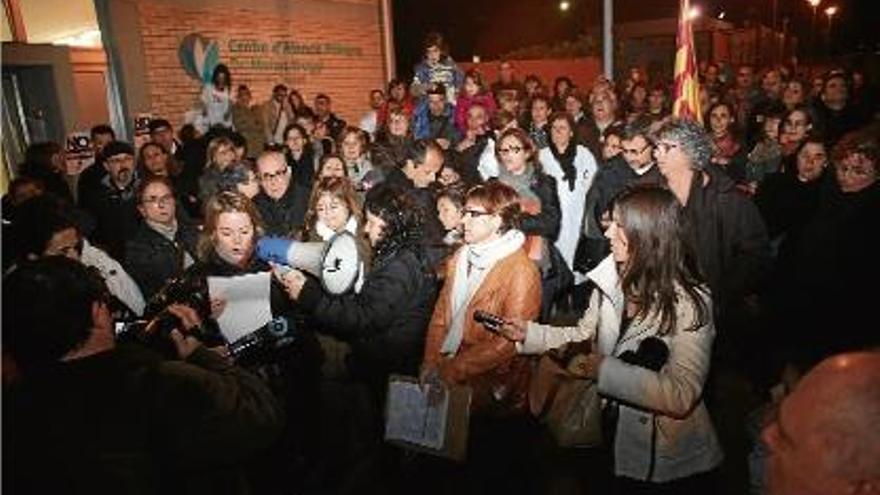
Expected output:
(91, 416)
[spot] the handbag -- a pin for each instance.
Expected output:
(569, 406)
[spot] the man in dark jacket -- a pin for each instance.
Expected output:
(325, 115)
(91, 416)
(423, 160)
(281, 202)
(113, 204)
(90, 178)
(634, 164)
(731, 239)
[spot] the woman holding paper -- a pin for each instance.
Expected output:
(290, 360)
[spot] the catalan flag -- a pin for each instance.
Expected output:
(686, 87)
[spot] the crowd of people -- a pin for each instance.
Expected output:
(743, 249)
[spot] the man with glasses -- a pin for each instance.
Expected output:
(634, 164)
(282, 203)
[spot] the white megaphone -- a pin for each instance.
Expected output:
(335, 262)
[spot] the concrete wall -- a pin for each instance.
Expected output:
(262, 43)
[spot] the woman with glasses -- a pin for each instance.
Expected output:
(651, 324)
(164, 244)
(574, 169)
(492, 273)
(539, 203)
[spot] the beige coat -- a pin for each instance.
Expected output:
(664, 408)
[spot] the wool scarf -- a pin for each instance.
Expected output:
(474, 262)
(566, 162)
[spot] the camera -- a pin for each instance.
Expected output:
(155, 328)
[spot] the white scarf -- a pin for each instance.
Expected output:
(481, 258)
(326, 233)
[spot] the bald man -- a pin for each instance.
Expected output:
(825, 439)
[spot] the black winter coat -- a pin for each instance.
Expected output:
(285, 216)
(116, 216)
(386, 321)
(731, 240)
(151, 259)
(545, 224)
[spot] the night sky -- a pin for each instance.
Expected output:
(489, 28)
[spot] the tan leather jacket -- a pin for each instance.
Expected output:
(488, 362)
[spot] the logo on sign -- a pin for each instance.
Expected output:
(199, 56)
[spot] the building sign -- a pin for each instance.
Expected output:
(199, 55)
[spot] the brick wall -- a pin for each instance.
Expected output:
(581, 70)
(347, 75)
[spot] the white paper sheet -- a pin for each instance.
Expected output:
(247, 303)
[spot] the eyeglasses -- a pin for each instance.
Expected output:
(474, 213)
(630, 151)
(665, 147)
(511, 150)
(269, 176)
(159, 200)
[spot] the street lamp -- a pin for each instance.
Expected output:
(815, 5)
(830, 11)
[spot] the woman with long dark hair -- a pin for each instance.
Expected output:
(651, 320)
(574, 169)
(299, 154)
(385, 321)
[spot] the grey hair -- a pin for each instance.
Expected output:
(691, 137)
